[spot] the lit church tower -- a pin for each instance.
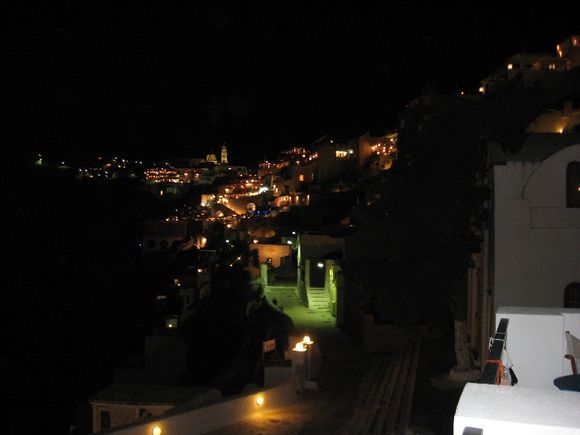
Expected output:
(224, 158)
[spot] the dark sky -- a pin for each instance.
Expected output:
(164, 80)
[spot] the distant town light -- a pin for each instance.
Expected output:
(255, 240)
(260, 400)
(510, 66)
(320, 265)
(307, 340)
(289, 242)
(156, 430)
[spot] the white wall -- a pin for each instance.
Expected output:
(536, 343)
(200, 420)
(536, 238)
(500, 410)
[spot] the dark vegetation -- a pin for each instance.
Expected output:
(77, 298)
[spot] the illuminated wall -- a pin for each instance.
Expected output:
(270, 251)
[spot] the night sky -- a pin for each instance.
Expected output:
(174, 81)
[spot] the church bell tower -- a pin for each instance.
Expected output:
(224, 157)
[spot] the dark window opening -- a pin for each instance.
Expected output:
(572, 295)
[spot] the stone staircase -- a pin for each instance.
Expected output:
(318, 299)
(386, 394)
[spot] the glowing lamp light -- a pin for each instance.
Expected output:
(299, 347)
(307, 340)
(510, 66)
(255, 240)
(289, 242)
(156, 430)
(260, 401)
(320, 265)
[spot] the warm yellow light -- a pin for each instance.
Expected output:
(307, 340)
(260, 400)
(299, 347)
(510, 66)
(156, 430)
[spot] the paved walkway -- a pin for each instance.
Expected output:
(329, 408)
(350, 383)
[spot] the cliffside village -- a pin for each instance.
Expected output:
(306, 217)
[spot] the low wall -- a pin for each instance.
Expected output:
(196, 421)
(499, 410)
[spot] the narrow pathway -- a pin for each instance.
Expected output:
(386, 394)
(356, 393)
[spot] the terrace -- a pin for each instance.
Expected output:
(516, 394)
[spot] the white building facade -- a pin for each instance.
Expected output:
(532, 247)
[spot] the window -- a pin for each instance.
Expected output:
(301, 177)
(573, 185)
(572, 295)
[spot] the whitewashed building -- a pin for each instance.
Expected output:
(532, 247)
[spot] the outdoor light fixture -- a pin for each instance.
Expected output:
(299, 347)
(260, 400)
(320, 265)
(156, 430)
(307, 340)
